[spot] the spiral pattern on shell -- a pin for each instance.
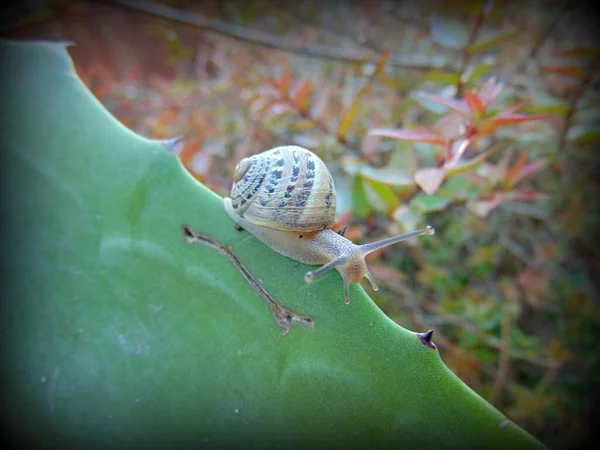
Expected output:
(287, 188)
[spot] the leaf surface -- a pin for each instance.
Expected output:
(119, 334)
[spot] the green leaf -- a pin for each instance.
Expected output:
(428, 104)
(445, 78)
(584, 134)
(349, 116)
(448, 32)
(472, 163)
(361, 206)
(384, 192)
(492, 40)
(477, 72)
(543, 103)
(430, 178)
(459, 187)
(404, 158)
(406, 218)
(385, 175)
(119, 334)
(424, 203)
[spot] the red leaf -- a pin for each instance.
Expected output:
(188, 151)
(515, 108)
(579, 51)
(322, 101)
(281, 84)
(272, 81)
(268, 90)
(343, 221)
(510, 173)
(382, 61)
(573, 71)
(284, 82)
(429, 179)
(300, 94)
(271, 104)
(526, 170)
(474, 103)
(489, 91)
(450, 126)
(526, 196)
(460, 106)
(482, 208)
(509, 119)
(506, 118)
(420, 134)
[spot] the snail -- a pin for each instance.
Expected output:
(286, 198)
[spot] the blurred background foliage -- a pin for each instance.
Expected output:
(480, 118)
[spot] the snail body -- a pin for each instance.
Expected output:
(286, 198)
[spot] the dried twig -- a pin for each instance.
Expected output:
(263, 39)
(283, 316)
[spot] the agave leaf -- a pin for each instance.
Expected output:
(117, 333)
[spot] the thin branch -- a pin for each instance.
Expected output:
(504, 359)
(577, 95)
(486, 7)
(546, 380)
(559, 14)
(366, 44)
(516, 250)
(263, 39)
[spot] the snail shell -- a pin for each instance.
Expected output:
(285, 197)
(287, 188)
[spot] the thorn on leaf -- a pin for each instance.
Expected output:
(425, 338)
(172, 144)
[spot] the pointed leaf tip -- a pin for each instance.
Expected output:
(425, 338)
(172, 144)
